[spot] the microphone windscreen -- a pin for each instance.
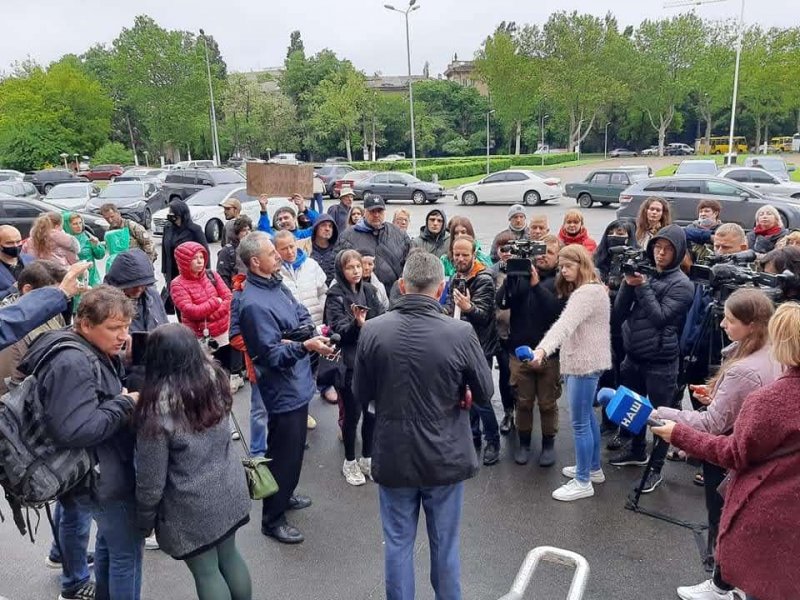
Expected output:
(524, 353)
(604, 395)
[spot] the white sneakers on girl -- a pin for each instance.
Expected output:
(574, 490)
(365, 464)
(352, 473)
(595, 476)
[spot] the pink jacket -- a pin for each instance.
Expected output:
(64, 248)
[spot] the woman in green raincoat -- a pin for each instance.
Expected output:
(91, 248)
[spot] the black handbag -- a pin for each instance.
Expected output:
(331, 371)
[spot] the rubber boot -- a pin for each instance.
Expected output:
(548, 456)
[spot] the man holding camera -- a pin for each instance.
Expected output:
(471, 299)
(530, 295)
(652, 309)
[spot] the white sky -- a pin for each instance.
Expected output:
(254, 34)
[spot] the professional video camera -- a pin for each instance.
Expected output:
(525, 248)
(725, 278)
(631, 260)
(738, 258)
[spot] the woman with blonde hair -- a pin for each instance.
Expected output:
(573, 231)
(758, 549)
(583, 334)
(402, 218)
(768, 230)
(49, 241)
(653, 216)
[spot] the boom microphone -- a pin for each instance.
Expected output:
(627, 409)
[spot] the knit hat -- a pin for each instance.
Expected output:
(515, 210)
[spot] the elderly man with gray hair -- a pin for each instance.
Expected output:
(419, 370)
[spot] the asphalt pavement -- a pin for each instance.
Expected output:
(507, 512)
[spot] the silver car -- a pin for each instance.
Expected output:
(762, 180)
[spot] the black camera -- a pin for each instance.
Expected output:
(300, 334)
(738, 258)
(632, 260)
(726, 278)
(525, 248)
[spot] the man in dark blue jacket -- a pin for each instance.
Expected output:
(653, 311)
(12, 261)
(268, 315)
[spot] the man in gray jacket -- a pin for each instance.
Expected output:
(421, 369)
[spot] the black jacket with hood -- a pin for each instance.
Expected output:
(131, 269)
(612, 274)
(436, 244)
(325, 257)
(653, 314)
(533, 309)
(174, 236)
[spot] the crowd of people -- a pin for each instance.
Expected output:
(402, 334)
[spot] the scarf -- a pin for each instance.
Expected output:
(578, 238)
(760, 230)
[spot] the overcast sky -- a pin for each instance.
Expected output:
(254, 34)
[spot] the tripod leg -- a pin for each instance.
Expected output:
(632, 503)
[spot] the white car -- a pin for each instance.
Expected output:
(11, 175)
(206, 210)
(194, 164)
(651, 151)
(762, 180)
(392, 158)
(514, 186)
(288, 158)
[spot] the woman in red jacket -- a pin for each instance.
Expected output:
(758, 548)
(573, 231)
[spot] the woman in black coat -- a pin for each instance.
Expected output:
(180, 229)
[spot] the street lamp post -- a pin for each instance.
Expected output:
(605, 145)
(215, 140)
(487, 140)
(146, 159)
(412, 6)
(541, 129)
(64, 157)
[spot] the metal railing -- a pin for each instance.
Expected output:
(555, 555)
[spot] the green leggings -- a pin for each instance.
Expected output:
(220, 573)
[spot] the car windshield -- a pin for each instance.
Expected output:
(407, 178)
(226, 176)
(774, 165)
(638, 175)
(122, 190)
(67, 191)
(696, 167)
(67, 203)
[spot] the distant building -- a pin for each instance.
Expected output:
(392, 84)
(266, 79)
(463, 73)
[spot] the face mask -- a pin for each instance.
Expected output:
(172, 218)
(706, 222)
(616, 240)
(12, 251)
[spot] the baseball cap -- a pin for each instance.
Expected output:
(374, 202)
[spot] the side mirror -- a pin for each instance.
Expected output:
(744, 196)
(791, 168)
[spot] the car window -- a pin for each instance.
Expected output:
(738, 175)
(619, 178)
(516, 177)
(687, 186)
(601, 178)
(122, 190)
(224, 176)
(204, 180)
(656, 186)
(496, 178)
(16, 210)
(383, 178)
(759, 176)
(718, 188)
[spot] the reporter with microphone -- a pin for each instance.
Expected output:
(758, 547)
(583, 334)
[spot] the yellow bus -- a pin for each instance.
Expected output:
(719, 145)
(782, 143)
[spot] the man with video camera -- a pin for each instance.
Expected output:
(529, 293)
(652, 304)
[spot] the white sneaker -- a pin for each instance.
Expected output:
(237, 383)
(594, 476)
(705, 591)
(365, 464)
(150, 543)
(574, 490)
(352, 473)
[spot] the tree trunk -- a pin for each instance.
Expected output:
(374, 145)
(766, 136)
(572, 121)
(347, 145)
(133, 141)
(518, 136)
(364, 138)
(758, 132)
(708, 129)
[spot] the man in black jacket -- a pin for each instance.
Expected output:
(471, 295)
(414, 365)
(534, 307)
(653, 311)
(323, 245)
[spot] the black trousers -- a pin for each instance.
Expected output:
(712, 477)
(657, 381)
(287, 439)
(353, 412)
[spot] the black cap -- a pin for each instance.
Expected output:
(374, 202)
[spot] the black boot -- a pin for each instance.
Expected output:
(523, 452)
(548, 456)
(507, 423)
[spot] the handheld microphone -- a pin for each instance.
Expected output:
(627, 409)
(524, 354)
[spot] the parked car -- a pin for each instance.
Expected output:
(603, 186)
(136, 200)
(697, 167)
(194, 164)
(22, 212)
(11, 174)
(286, 158)
(182, 183)
(643, 170)
(72, 196)
(677, 149)
(336, 159)
(104, 172)
(350, 179)
(140, 173)
(19, 189)
(684, 192)
(392, 158)
(512, 186)
(762, 180)
(206, 210)
(620, 152)
(46, 179)
(651, 151)
(330, 173)
(774, 164)
(393, 185)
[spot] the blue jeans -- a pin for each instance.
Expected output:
(580, 395)
(399, 516)
(72, 521)
(316, 203)
(118, 551)
(485, 415)
(258, 423)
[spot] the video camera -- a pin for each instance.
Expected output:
(725, 278)
(632, 260)
(738, 258)
(525, 248)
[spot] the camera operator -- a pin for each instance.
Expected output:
(780, 261)
(472, 295)
(652, 309)
(531, 298)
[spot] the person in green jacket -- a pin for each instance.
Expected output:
(91, 248)
(462, 226)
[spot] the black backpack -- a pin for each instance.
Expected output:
(33, 469)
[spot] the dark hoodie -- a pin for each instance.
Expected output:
(132, 269)
(175, 235)
(436, 244)
(325, 257)
(602, 255)
(653, 314)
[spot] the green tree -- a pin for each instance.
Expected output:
(295, 44)
(336, 106)
(112, 153)
(712, 77)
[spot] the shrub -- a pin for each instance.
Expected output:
(112, 153)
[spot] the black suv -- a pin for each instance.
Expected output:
(47, 179)
(182, 183)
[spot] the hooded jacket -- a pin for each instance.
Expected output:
(437, 244)
(422, 435)
(611, 274)
(388, 244)
(174, 236)
(87, 252)
(533, 309)
(229, 263)
(339, 317)
(131, 269)
(325, 257)
(306, 280)
(653, 314)
(202, 304)
(480, 285)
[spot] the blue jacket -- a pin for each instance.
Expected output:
(26, 314)
(6, 280)
(266, 308)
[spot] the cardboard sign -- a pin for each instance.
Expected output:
(280, 180)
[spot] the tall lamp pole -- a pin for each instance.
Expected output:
(487, 140)
(412, 6)
(541, 129)
(215, 138)
(605, 145)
